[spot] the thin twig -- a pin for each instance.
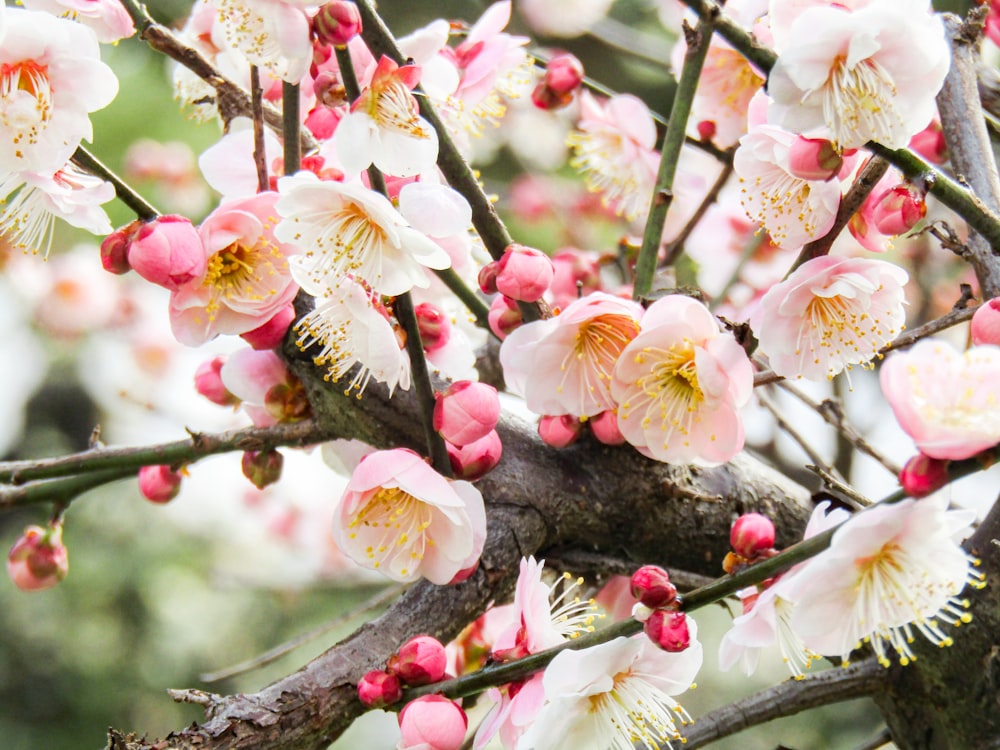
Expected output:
(851, 495)
(662, 198)
(786, 699)
(86, 160)
(793, 433)
(273, 654)
(177, 453)
(259, 154)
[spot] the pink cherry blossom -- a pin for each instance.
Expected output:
(948, 402)
(402, 518)
(613, 148)
(680, 384)
(793, 210)
(830, 313)
(30, 202)
(890, 572)
(615, 695)
(345, 228)
(51, 79)
(384, 126)
(273, 34)
(263, 386)
(107, 18)
(563, 365)
(247, 280)
(863, 73)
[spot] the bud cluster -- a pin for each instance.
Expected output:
(465, 415)
(752, 539)
(664, 624)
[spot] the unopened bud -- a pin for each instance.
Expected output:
(272, 333)
(930, 143)
(434, 326)
(523, 273)
(208, 382)
(651, 585)
(168, 251)
(559, 431)
(504, 316)
(159, 483)
(488, 278)
(707, 130)
(262, 467)
(923, 475)
(432, 722)
(814, 159)
(669, 630)
(114, 249)
(337, 23)
(475, 459)
(378, 689)
(38, 560)
(605, 428)
(420, 661)
(466, 412)
(986, 323)
(564, 73)
(898, 210)
(751, 535)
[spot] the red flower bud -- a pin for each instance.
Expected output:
(337, 23)
(262, 467)
(563, 74)
(420, 661)
(378, 689)
(38, 560)
(923, 475)
(488, 278)
(524, 273)
(208, 382)
(986, 323)
(432, 722)
(559, 431)
(668, 630)
(168, 251)
(272, 333)
(814, 159)
(898, 210)
(751, 535)
(434, 326)
(114, 249)
(504, 316)
(475, 459)
(605, 428)
(159, 484)
(651, 585)
(466, 412)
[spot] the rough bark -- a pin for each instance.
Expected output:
(590, 498)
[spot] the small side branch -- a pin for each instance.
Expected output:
(787, 699)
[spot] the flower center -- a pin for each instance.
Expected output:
(596, 348)
(25, 100)
(857, 103)
(393, 107)
(243, 273)
(637, 713)
(393, 523)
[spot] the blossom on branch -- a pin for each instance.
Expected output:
(830, 313)
(680, 385)
(402, 518)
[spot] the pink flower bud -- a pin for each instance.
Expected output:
(706, 130)
(898, 210)
(475, 459)
(159, 484)
(38, 560)
(262, 467)
(420, 661)
(524, 273)
(337, 23)
(923, 475)
(208, 382)
(930, 143)
(504, 316)
(751, 534)
(564, 73)
(466, 412)
(668, 630)
(114, 249)
(272, 333)
(559, 431)
(378, 689)
(986, 323)
(814, 159)
(651, 585)
(168, 251)
(605, 428)
(434, 326)
(488, 277)
(432, 722)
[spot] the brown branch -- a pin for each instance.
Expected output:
(859, 680)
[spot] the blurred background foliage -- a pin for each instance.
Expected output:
(142, 609)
